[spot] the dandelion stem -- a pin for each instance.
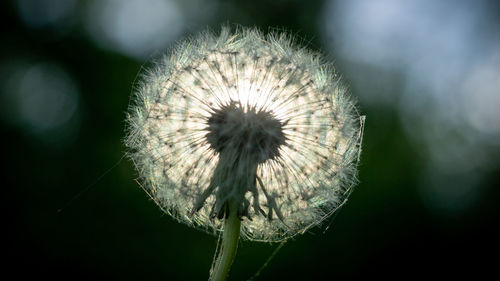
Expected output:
(229, 244)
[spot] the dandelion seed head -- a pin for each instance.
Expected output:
(246, 117)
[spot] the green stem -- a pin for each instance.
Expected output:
(229, 245)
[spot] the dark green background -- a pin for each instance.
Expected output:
(108, 227)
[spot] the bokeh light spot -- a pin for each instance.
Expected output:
(41, 13)
(41, 100)
(135, 28)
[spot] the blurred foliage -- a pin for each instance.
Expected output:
(74, 210)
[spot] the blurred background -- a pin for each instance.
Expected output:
(426, 74)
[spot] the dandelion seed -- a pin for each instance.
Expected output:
(249, 119)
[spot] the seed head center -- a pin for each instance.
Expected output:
(254, 133)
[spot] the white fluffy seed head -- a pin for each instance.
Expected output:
(246, 117)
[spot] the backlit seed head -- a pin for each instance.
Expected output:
(249, 118)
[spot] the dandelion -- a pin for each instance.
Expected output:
(245, 133)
